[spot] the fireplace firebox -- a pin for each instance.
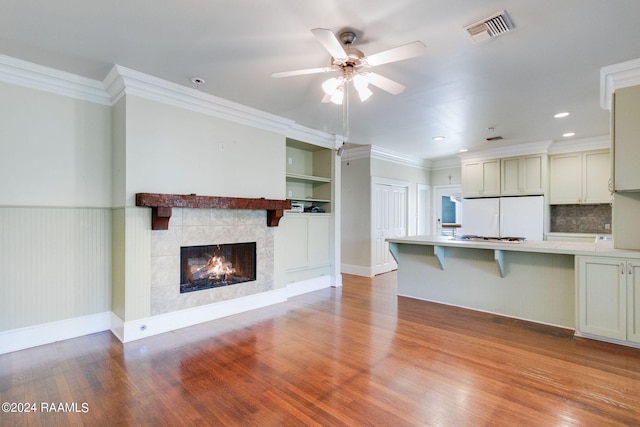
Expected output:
(212, 266)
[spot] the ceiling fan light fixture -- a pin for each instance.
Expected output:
(337, 96)
(331, 85)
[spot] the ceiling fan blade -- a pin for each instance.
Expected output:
(326, 98)
(331, 43)
(399, 53)
(302, 72)
(384, 83)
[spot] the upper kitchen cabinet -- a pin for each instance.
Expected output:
(481, 178)
(626, 139)
(523, 175)
(579, 178)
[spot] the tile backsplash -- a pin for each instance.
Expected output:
(580, 218)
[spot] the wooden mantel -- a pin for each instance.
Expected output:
(161, 205)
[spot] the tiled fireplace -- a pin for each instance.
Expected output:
(210, 229)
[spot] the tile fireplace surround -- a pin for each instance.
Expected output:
(197, 226)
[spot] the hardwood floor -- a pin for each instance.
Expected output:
(359, 355)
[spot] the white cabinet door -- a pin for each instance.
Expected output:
(565, 179)
(319, 245)
(481, 178)
(296, 247)
(602, 297)
(626, 139)
(534, 169)
(308, 240)
(633, 301)
(472, 179)
(596, 175)
(511, 178)
(523, 175)
(491, 178)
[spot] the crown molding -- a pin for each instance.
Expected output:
(121, 81)
(313, 136)
(22, 73)
(509, 151)
(375, 152)
(617, 76)
(584, 144)
(401, 159)
(356, 152)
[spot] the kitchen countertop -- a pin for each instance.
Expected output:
(599, 248)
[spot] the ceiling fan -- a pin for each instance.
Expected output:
(353, 66)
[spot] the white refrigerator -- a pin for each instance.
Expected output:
(504, 217)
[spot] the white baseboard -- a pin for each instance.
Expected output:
(605, 339)
(337, 281)
(47, 333)
(305, 286)
(149, 326)
(154, 325)
(20, 339)
(357, 270)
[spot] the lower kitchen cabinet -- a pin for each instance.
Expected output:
(609, 297)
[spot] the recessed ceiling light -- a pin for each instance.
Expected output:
(463, 150)
(561, 115)
(568, 134)
(438, 138)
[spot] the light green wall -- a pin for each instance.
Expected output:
(54, 150)
(385, 169)
(356, 213)
(447, 176)
(173, 150)
(119, 153)
(55, 215)
(65, 163)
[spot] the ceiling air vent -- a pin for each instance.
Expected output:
(490, 27)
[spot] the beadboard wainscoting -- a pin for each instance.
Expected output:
(55, 264)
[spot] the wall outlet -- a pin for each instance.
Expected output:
(290, 160)
(607, 226)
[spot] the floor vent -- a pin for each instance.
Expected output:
(490, 27)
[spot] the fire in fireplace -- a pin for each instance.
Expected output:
(212, 266)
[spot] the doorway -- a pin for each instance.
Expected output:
(447, 209)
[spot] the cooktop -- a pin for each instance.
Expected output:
(505, 239)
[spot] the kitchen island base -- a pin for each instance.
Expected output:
(534, 286)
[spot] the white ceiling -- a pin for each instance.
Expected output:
(514, 83)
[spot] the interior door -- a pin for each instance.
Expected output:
(390, 220)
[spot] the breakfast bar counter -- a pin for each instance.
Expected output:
(531, 280)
